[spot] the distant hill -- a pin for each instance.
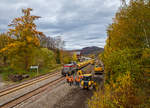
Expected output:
(91, 50)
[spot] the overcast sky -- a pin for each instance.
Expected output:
(81, 23)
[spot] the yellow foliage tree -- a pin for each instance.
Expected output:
(126, 59)
(119, 95)
(26, 39)
(4, 41)
(74, 57)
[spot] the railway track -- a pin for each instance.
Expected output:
(15, 101)
(17, 87)
(7, 100)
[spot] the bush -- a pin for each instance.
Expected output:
(119, 94)
(122, 61)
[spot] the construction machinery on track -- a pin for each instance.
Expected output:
(98, 70)
(87, 82)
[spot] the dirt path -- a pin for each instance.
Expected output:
(76, 98)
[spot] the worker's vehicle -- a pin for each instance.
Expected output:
(69, 69)
(98, 70)
(79, 72)
(87, 81)
(72, 67)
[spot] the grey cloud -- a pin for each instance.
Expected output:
(81, 23)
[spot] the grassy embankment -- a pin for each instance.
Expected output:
(5, 72)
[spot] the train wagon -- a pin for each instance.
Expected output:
(69, 69)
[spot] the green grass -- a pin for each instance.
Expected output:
(6, 71)
(43, 71)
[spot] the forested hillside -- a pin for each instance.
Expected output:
(91, 50)
(127, 59)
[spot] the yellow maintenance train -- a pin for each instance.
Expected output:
(84, 63)
(69, 69)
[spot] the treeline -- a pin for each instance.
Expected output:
(127, 59)
(23, 46)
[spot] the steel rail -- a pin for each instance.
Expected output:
(15, 88)
(18, 100)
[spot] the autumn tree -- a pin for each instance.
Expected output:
(48, 42)
(130, 28)
(26, 38)
(67, 57)
(4, 41)
(74, 57)
(52, 43)
(58, 56)
(126, 55)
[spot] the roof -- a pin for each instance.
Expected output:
(87, 74)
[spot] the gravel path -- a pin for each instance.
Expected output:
(48, 98)
(61, 96)
(76, 98)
